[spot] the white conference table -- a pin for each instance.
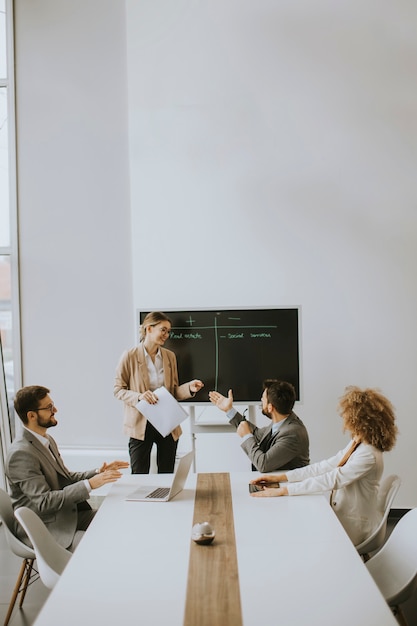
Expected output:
(296, 563)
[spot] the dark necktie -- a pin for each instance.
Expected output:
(265, 443)
(53, 449)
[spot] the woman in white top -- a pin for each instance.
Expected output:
(351, 476)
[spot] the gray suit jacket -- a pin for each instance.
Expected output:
(287, 449)
(46, 486)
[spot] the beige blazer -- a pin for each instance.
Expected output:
(132, 379)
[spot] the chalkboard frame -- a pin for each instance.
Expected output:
(251, 397)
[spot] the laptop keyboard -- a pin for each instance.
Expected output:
(160, 492)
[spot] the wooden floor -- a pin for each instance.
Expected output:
(37, 593)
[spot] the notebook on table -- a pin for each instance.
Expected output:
(163, 494)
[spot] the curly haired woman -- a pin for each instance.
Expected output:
(351, 476)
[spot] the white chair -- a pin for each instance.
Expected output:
(387, 492)
(51, 557)
(394, 567)
(27, 573)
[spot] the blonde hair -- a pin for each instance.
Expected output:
(152, 319)
(369, 415)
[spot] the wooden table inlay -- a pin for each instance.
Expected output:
(213, 594)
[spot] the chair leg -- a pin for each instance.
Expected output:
(26, 568)
(28, 575)
(399, 614)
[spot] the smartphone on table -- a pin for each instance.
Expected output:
(260, 486)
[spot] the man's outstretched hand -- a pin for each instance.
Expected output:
(222, 403)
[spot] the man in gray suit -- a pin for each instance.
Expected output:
(283, 444)
(38, 477)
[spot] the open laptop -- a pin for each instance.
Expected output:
(163, 494)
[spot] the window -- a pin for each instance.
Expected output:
(9, 300)
(4, 151)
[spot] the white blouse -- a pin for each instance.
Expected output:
(353, 488)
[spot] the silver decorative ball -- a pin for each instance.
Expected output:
(203, 533)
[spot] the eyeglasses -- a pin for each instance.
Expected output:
(49, 408)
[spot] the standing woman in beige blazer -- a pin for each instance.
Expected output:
(140, 371)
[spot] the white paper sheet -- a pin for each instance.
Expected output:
(166, 414)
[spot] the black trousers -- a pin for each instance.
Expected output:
(140, 452)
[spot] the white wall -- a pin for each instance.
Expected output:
(272, 147)
(74, 211)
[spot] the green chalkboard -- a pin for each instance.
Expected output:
(235, 348)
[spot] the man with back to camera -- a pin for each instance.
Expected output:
(283, 444)
(38, 477)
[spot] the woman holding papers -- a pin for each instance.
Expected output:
(139, 373)
(352, 476)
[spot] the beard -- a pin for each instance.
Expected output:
(49, 422)
(265, 412)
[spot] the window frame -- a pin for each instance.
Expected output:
(12, 250)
